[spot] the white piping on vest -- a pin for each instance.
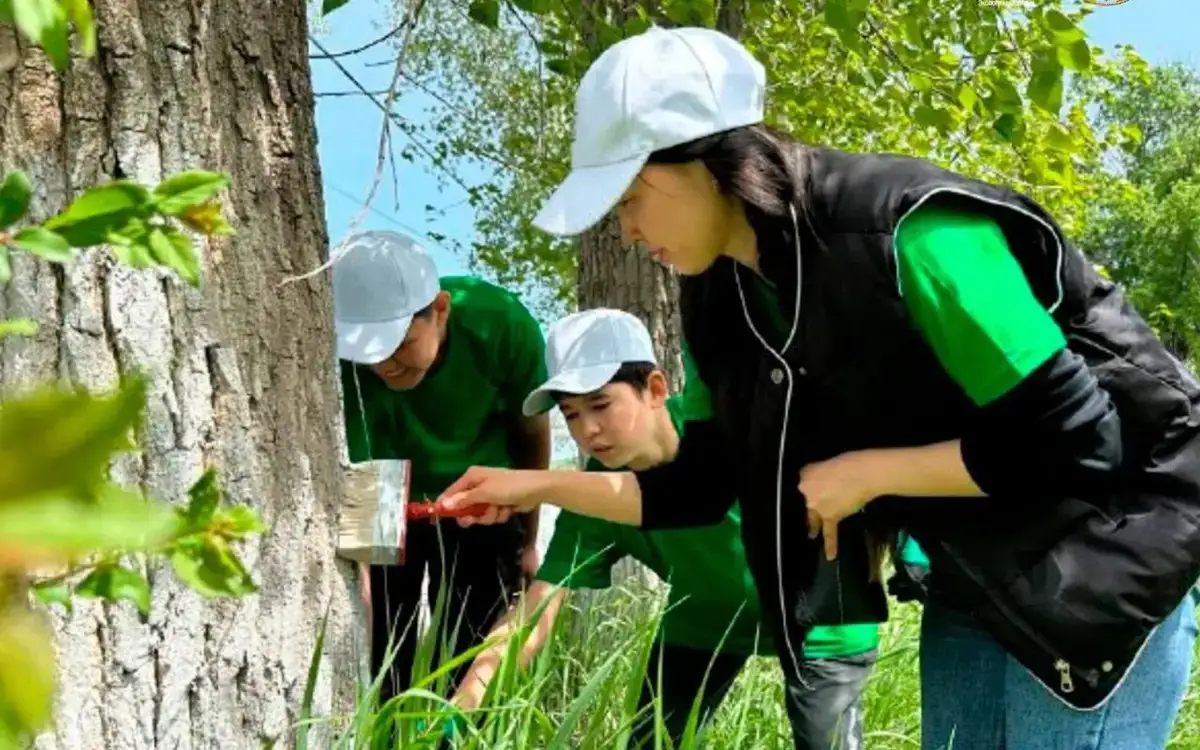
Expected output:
(787, 405)
(1058, 265)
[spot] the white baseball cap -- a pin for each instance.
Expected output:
(659, 89)
(379, 282)
(583, 352)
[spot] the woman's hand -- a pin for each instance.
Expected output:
(505, 491)
(835, 489)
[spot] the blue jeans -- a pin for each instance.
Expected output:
(974, 696)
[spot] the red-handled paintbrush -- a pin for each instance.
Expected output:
(377, 510)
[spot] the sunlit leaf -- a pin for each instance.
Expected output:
(211, 568)
(206, 219)
(172, 249)
(100, 211)
(188, 189)
(204, 497)
(17, 327)
(45, 244)
(80, 12)
(53, 592)
(115, 583)
(58, 439)
(1076, 56)
(1046, 83)
(58, 527)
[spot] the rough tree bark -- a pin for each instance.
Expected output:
(240, 369)
(612, 275)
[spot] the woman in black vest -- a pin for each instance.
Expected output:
(888, 345)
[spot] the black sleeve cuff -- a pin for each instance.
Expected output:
(1057, 431)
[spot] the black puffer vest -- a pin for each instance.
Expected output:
(1070, 586)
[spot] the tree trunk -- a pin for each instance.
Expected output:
(612, 275)
(240, 371)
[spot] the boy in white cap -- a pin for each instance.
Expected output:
(604, 377)
(435, 370)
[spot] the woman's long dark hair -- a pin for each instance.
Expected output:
(758, 165)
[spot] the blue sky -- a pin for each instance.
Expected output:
(348, 127)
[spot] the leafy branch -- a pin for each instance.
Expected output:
(65, 529)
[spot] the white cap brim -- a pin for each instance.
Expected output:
(587, 194)
(370, 343)
(576, 382)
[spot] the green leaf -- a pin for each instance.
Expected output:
(26, 671)
(1062, 29)
(171, 248)
(15, 194)
(211, 568)
(536, 7)
(101, 211)
(933, 118)
(80, 12)
(206, 219)
(920, 82)
(17, 327)
(44, 243)
(115, 583)
(204, 497)
(187, 189)
(560, 66)
(486, 12)
(57, 439)
(967, 97)
(53, 592)
(1005, 97)
(239, 521)
(1058, 138)
(844, 16)
(1045, 88)
(329, 6)
(55, 41)
(5, 266)
(1006, 126)
(54, 528)
(34, 17)
(983, 40)
(1076, 56)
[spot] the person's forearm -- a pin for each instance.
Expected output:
(611, 495)
(483, 669)
(934, 470)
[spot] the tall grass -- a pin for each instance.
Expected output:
(582, 692)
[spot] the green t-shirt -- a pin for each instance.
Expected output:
(463, 412)
(711, 589)
(971, 301)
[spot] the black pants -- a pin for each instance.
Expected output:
(827, 716)
(480, 569)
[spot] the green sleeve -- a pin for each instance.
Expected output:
(364, 440)
(581, 553)
(970, 299)
(697, 400)
(522, 355)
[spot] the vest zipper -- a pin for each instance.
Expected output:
(1064, 676)
(1063, 667)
